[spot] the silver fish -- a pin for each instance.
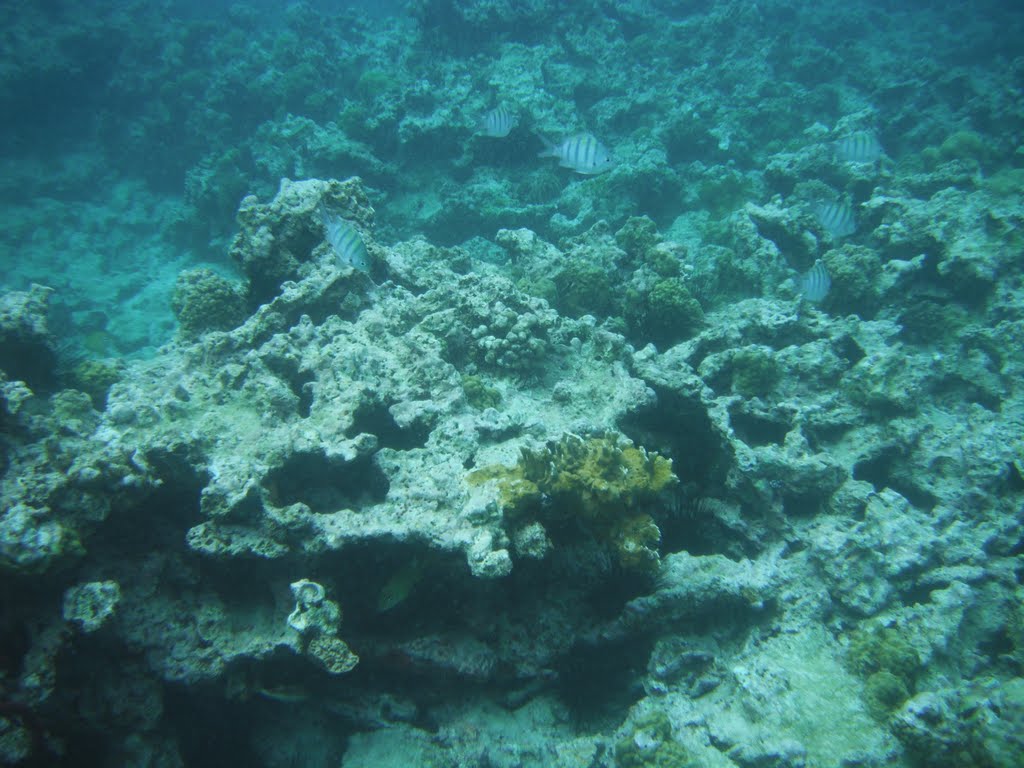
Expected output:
(348, 246)
(286, 694)
(860, 147)
(836, 217)
(815, 282)
(582, 153)
(498, 123)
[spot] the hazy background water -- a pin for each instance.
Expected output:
(132, 130)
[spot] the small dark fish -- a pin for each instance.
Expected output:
(582, 153)
(286, 694)
(498, 123)
(401, 584)
(348, 246)
(860, 147)
(836, 217)
(815, 282)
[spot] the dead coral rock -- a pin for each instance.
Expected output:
(27, 349)
(276, 240)
(332, 652)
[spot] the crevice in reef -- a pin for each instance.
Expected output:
(210, 730)
(374, 417)
(681, 430)
(596, 682)
(325, 484)
(300, 382)
(173, 505)
(426, 634)
(882, 471)
(757, 430)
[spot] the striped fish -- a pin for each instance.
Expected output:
(582, 153)
(860, 147)
(815, 282)
(348, 246)
(836, 217)
(497, 123)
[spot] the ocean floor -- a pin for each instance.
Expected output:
(512, 385)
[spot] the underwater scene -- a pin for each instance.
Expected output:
(512, 384)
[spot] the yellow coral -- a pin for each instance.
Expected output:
(599, 479)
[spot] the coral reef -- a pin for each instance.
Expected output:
(316, 618)
(91, 605)
(205, 301)
(651, 744)
(600, 483)
(27, 348)
(665, 313)
(594, 479)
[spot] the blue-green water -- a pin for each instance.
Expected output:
(456, 383)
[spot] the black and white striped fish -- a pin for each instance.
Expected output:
(498, 123)
(815, 282)
(582, 153)
(345, 241)
(860, 147)
(836, 217)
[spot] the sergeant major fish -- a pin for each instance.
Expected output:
(582, 153)
(860, 147)
(836, 217)
(345, 241)
(815, 282)
(497, 123)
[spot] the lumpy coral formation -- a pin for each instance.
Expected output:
(579, 472)
(205, 301)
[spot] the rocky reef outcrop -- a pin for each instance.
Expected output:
(428, 474)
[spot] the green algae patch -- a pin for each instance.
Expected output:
(1006, 183)
(95, 378)
(582, 288)
(883, 648)
(754, 372)
(205, 301)
(969, 146)
(600, 481)
(665, 315)
(888, 663)
(479, 394)
(883, 693)
(637, 237)
(650, 745)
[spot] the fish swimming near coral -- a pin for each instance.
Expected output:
(285, 694)
(860, 147)
(348, 246)
(582, 153)
(498, 123)
(815, 282)
(836, 217)
(401, 584)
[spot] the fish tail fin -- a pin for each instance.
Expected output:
(323, 213)
(550, 148)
